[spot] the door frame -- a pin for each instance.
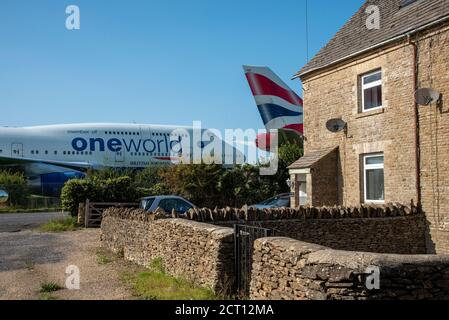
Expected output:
(20, 149)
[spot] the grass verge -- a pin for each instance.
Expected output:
(155, 284)
(105, 257)
(48, 287)
(61, 225)
(5, 210)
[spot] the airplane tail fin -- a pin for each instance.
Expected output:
(279, 106)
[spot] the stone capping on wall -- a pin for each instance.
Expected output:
(305, 213)
(134, 214)
(288, 269)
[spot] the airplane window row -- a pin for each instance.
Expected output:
(152, 154)
(168, 134)
(55, 152)
(123, 133)
(78, 152)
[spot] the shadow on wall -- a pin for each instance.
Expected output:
(430, 244)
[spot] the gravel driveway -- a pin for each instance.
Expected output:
(30, 258)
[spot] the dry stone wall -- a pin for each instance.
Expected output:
(198, 252)
(303, 212)
(286, 269)
(381, 229)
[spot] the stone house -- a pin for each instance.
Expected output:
(392, 149)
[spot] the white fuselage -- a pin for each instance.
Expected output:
(99, 145)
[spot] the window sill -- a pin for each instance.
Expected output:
(370, 113)
(379, 203)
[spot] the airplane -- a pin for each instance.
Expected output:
(279, 106)
(51, 155)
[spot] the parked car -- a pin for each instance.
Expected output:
(168, 203)
(280, 201)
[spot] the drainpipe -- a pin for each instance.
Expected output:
(416, 127)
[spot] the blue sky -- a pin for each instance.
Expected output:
(155, 62)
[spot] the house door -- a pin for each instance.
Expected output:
(17, 150)
(302, 189)
(120, 156)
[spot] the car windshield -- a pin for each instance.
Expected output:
(176, 204)
(145, 204)
(277, 202)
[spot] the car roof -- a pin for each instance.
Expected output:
(283, 195)
(162, 197)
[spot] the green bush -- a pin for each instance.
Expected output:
(16, 185)
(76, 191)
(117, 189)
(150, 177)
(47, 287)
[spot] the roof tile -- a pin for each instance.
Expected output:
(395, 21)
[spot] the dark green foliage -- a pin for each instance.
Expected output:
(48, 287)
(288, 154)
(214, 186)
(205, 185)
(76, 191)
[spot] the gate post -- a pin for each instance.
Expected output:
(86, 217)
(237, 257)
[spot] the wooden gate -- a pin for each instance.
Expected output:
(94, 211)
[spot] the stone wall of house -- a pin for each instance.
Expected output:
(433, 66)
(336, 93)
(324, 173)
(196, 251)
(382, 229)
(286, 269)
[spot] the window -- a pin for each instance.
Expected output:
(180, 206)
(406, 3)
(371, 91)
(373, 172)
(145, 204)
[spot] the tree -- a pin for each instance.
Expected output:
(289, 153)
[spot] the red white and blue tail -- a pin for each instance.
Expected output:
(279, 106)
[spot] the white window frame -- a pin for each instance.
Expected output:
(367, 167)
(369, 86)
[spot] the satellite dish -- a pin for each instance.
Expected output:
(336, 125)
(3, 196)
(426, 96)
